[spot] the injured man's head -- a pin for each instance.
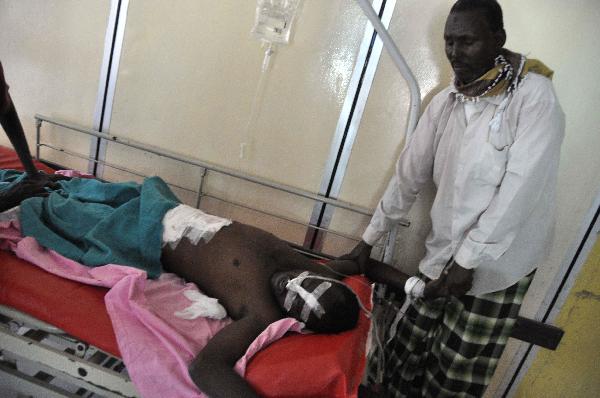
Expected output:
(324, 305)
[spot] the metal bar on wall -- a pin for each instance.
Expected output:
(113, 44)
(348, 123)
(400, 62)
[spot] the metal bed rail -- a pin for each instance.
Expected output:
(206, 167)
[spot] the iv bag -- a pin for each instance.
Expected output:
(274, 20)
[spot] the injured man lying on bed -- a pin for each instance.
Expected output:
(257, 277)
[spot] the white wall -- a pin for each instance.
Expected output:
(188, 77)
(51, 51)
(188, 81)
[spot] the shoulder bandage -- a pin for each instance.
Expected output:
(188, 222)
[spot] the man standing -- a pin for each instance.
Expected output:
(35, 181)
(490, 142)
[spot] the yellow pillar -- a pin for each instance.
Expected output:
(573, 370)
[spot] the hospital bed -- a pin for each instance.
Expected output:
(56, 338)
(51, 347)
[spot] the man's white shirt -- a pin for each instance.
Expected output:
(494, 163)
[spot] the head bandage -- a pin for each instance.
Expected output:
(311, 300)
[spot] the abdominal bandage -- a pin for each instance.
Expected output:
(202, 306)
(11, 214)
(185, 221)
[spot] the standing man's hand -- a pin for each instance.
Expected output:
(459, 280)
(360, 254)
(436, 288)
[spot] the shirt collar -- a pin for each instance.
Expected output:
(495, 100)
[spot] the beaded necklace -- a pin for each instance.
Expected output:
(505, 74)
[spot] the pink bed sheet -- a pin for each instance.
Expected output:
(156, 346)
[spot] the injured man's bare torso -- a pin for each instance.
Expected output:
(236, 267)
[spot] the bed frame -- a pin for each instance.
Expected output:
(41, 360)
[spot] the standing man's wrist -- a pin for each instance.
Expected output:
(459, 279)
(371, 235)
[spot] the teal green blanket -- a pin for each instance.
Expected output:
(8, 177)
(96, 223)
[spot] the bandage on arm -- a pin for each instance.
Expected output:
(414, 287)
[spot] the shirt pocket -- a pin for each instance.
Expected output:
(500, 140)
(501, 132)
(492, 164)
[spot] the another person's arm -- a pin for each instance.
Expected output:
(12, 126)
(35, 181)
(25, 189)
(459, 280)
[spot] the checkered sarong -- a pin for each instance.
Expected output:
(448, 347)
